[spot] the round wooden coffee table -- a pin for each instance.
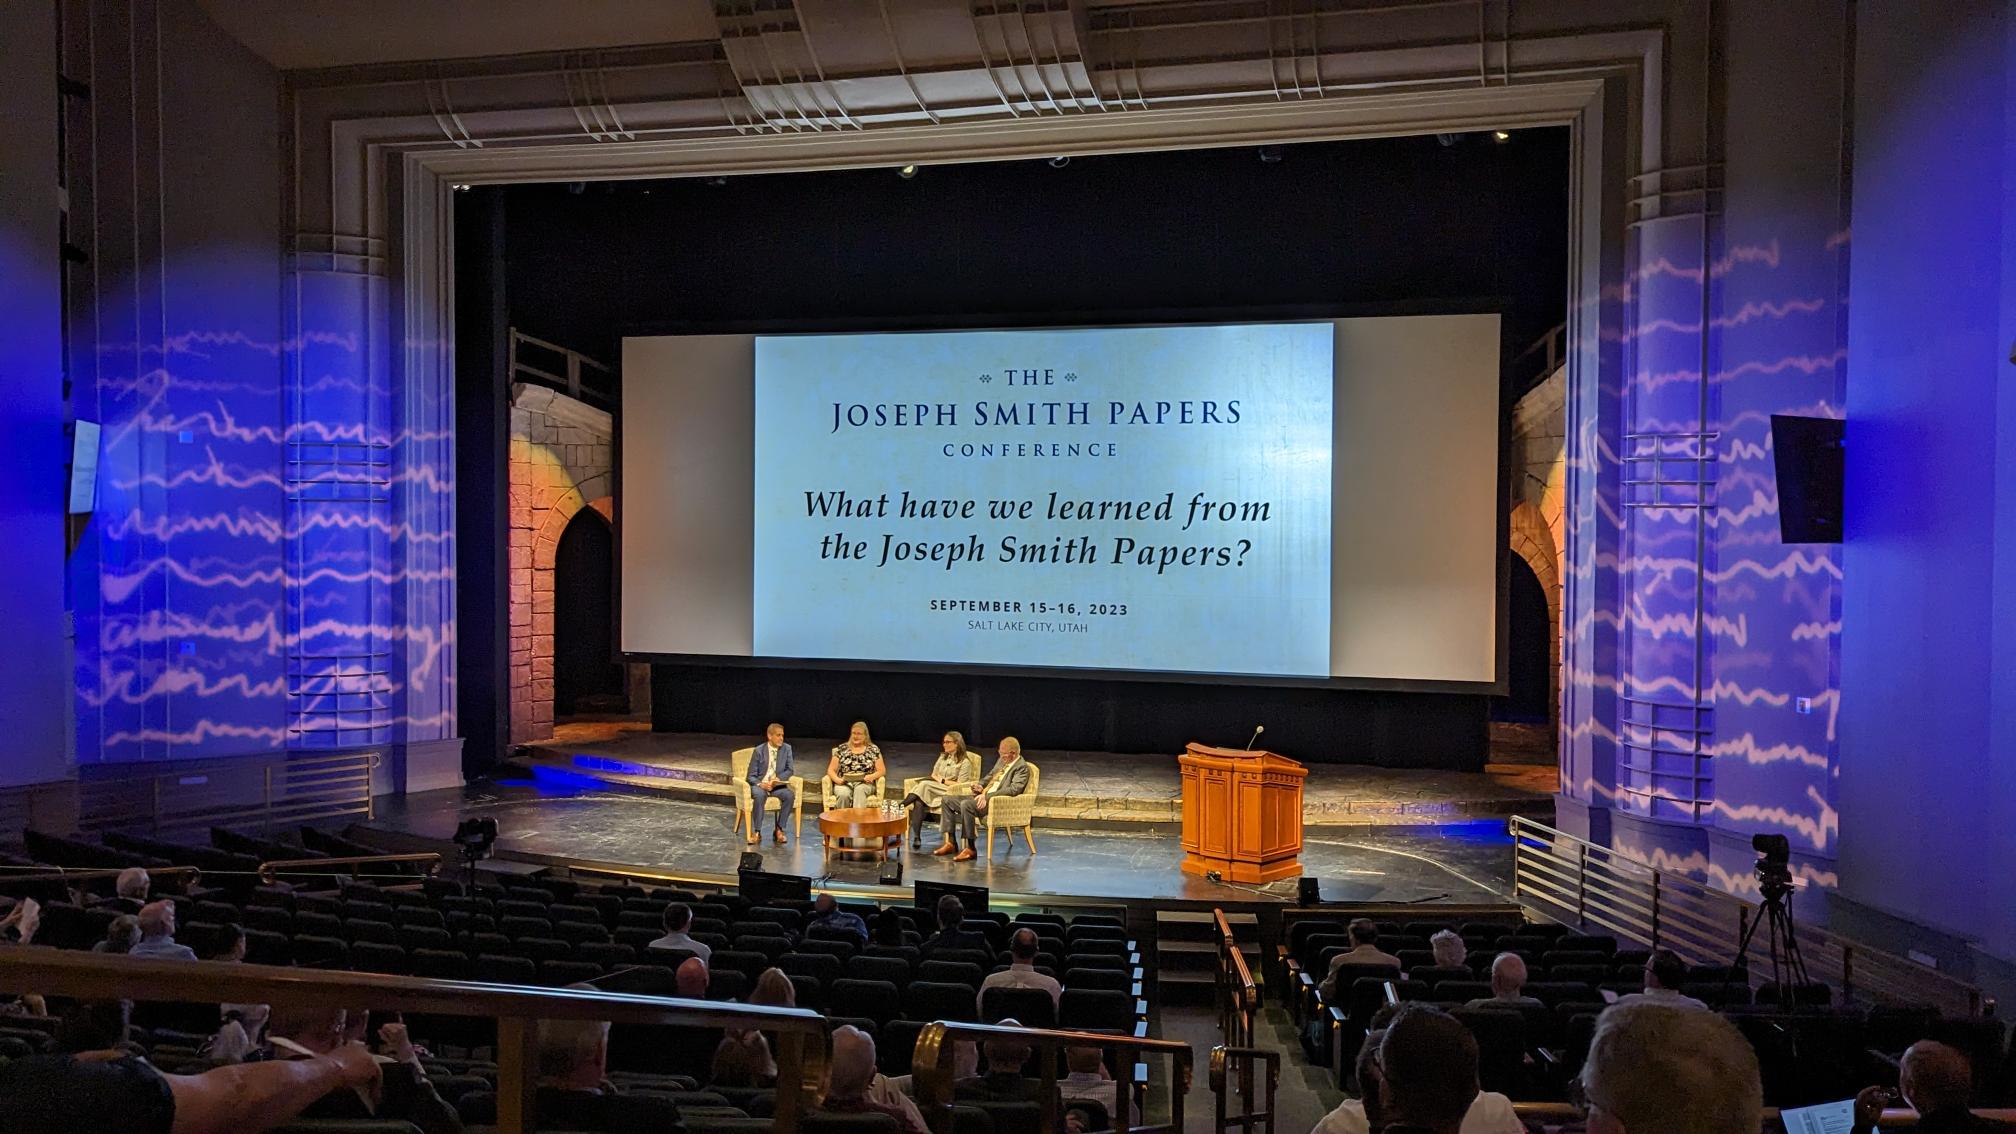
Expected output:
(863, 823)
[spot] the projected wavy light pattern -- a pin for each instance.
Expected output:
(263, 568)
(1701, 682)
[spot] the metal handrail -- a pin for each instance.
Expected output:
(268, 870)
(1221, 1057)
(1238, 993)
(931, 1069)
(1903, 1117)
(1597, 886)
(801, 1045)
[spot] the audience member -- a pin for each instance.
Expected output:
(1938, 1083)
(120, 936)
(1665, 972)
(1489, 1113)
(574, 1092)
(774, 988)
(678, 919)
(1508, 983)
(129, 891)
(1427, 1072)
(1086, 1081)
(1004, 1081)
(743, 1059)
(111, 1090)
(403, 1093)
(1448, 948)
(849, 1074)
(690, 979)
(95, 1025)
(827, 914)
(1654, 1068)
(1021, 971)
(952, 915)
(157, 934)
(1364, 951)
(888, 928)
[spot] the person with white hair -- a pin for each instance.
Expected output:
(574, 1092)
(850, 1075)
(1448, 948)
(129, 891)
(1508, 982)
(1658, 1069)
(157, 934)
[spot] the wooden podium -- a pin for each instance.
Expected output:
(1242, 813)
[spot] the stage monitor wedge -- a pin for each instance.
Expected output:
(762, 887)
(926, 895)
(1807, 454)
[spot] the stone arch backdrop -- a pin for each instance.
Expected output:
(559, 463)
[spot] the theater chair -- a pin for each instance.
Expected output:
(738, 778)
(1011, 811)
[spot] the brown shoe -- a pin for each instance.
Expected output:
(753, 840)
(780, 839)
(945, 847)
(966, 855)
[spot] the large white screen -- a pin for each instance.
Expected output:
(1359, 467)
(1012, 497)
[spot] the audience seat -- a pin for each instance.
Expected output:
(877, 1000)
(1030, 1007)
(932, 1000)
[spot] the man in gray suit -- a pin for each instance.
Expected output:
(1010, 777)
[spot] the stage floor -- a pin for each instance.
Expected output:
(539, 821)
(1078, 788)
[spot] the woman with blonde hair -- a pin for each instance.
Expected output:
(854, 768)
(955, 767)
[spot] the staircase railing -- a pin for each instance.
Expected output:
(1232, 1061)
(800, 1034)
(1596, 887)
(931, 1068)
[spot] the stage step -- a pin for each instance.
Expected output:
(1186, 953)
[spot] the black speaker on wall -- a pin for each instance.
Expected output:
(1808, 455)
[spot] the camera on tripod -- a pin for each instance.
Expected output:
(1774, 866)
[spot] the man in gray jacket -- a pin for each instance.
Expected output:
(1009, 777)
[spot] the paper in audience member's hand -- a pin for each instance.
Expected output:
(1822, 1118)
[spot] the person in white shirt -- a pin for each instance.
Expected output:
(678, 917)
(1665, 972)
(1087, 1082)
(1021, 971)
(1489, 1112)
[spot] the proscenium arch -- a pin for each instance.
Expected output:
(378, 200)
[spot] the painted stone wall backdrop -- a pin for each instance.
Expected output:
(1538, 532)
(559, 463)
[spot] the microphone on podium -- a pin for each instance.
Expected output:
(1257, 730)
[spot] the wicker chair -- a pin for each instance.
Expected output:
(1011, 811)
(745, 800)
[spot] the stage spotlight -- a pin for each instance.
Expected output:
(1447, 140)
(1273, 155)
(461, 188)
(577, 187)
(1060, 161)
(717, 182)
(906, 172)
(1501, 136)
